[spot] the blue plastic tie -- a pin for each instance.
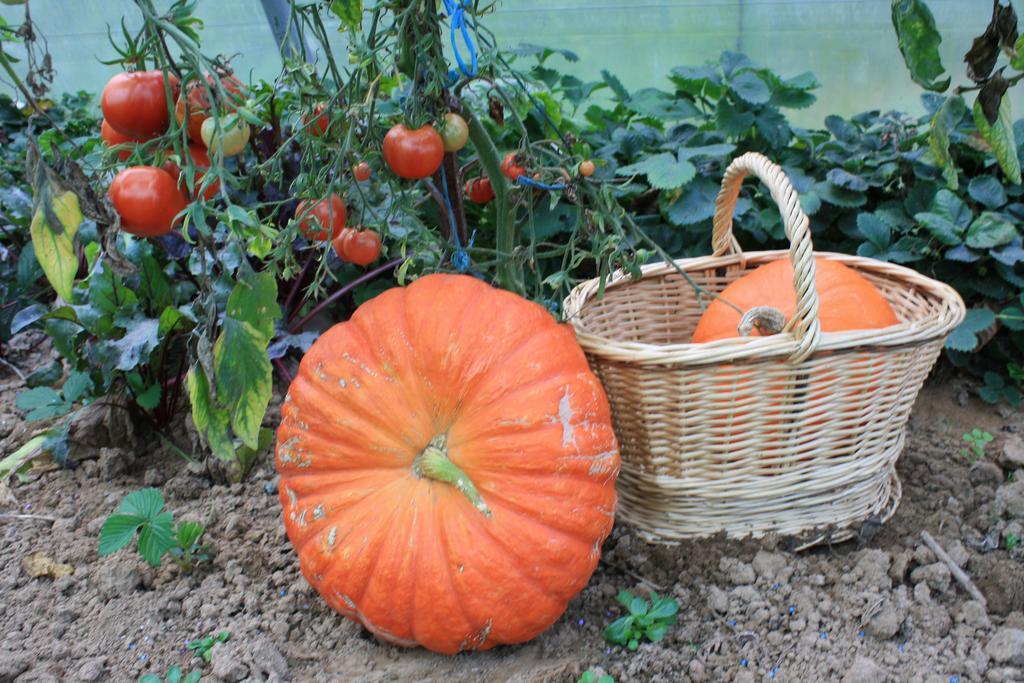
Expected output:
(460, 259)
(523, 180)
(456, 10)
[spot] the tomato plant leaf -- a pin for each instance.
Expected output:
(919, 41)
(138, 342)
(350, 12)
(53, 229)
(254, 301)
(1001, 138)
(244, 377)
(210, 420)
(945, 121)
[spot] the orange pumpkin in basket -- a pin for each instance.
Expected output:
(756, 417)
(847, 300)
(447, 466)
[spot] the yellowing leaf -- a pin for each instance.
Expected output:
(39, 564)
(1001, 138)
(53, 229)
(210, 420)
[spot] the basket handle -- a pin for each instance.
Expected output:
(805, 326)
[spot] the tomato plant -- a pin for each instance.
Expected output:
(413, 154)
(362, 171)
(227, 136)
(357, 246)
(194, 102)
(510, 168)
(317, 124)
(147, 199)
(454, 132)
(200, 159)
(587, 168)
(479, 190)
(135, 102)
(321, 220)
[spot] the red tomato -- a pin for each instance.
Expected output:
(195, 103)
(147, 199)
(509, 167)
(362, 171)
(480, 190)
(413, 154)
(586, 168)
(361, 247)
(316, 218)
(317, 126)
(339, 242)
(201, 159)
(112, 138)
(135, 103)
(454, 132)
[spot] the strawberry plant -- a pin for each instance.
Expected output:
(140, 517)
(647, 620)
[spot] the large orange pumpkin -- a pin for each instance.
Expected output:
(847, 301)
(447, 466)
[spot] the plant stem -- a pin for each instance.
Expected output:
(366, 277)
(507, 235)
(433, 463)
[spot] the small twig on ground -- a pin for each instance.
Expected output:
(13, 367)
(41, 518)
(635, 575)
(959, 574)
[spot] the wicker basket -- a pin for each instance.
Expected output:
(795, 433)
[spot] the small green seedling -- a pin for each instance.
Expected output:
(648, 619)
(1012, 541)
(140, 513)
(591, 677)
(203, 648)
(976, 440)
(174, 675)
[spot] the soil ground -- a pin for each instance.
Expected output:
(880, 608)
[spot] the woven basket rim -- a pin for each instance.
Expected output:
(911, 333)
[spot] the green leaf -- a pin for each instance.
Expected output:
(188, 534)
(20, 458)
(661, 105)
(695, 204)
(919, 41)
(638, 606)
(151, 678)
(146, 503)
(874, 230)
(656, 632)
(193, 677)
(1013, 318)
(41, 403)
(173, 674)
(172, 320)
(964, 336)
(134, 347)
(618, 631)
(952, 208)
(943, 123)
(1001, 138)
(53, 229)
(719, 150)
(842, 178)
(750, 88)
(253, 300)
(664, 608)
(838, 196)
(118, 531)
(772, 126)
(77, 385)
(990, 230)
(154, 286)
(621, 94)
(244, 377)
(46, 375)
(27, 316)
(663, 171)
(732, 120)
(210, 420)
(156, 538)
(986, 190)
(941, 228)
(350, 12)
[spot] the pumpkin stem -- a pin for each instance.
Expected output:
(766, 319)
(433, 463)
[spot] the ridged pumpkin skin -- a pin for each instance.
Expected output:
(847, 300)
(411, 557)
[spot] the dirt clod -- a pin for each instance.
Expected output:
(1007, 646)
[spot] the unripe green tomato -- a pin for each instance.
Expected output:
(454, 132)
(232, 137)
